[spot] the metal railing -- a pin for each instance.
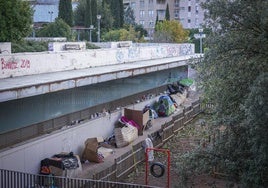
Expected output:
(14, 179)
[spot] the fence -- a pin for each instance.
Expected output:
(127, 162)
(122, 166)
(12, 179)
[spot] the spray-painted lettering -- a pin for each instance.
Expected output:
(12, 64)
(25, 63)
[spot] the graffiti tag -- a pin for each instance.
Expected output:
(15, 64)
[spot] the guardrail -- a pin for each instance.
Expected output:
(13, 179)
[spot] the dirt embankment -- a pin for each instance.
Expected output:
(186, 140)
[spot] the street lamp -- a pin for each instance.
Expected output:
(201, 36)
(91, 27)
(33, 30)
(98, 18)
(151, 30)
(51, 13)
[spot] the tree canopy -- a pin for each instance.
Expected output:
(167, 15)
(117, 9)
(66, 11)
(59, 28)
(170, 31)
(129, 17)
(233, 76)
(15, 20)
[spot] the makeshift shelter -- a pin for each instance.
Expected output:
(164, 103)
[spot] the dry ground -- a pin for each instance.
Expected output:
(187, 139)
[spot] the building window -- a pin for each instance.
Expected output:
(189, 8)
(142, 13)
(141, 22)
(151, 2)
(177, 3)
(141, 3)
(133, 5)
(161, 14)
(176, 13)
(182, 8)
(151, 24)
(161, 1)
(196, 9)
(196, 22)
(151, 13)
(189, 20)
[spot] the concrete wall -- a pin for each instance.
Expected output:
(21, 64)
(27, 156)
(5, 48)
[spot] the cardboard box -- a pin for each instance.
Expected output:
(138, 116)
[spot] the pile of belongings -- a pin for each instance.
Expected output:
(90, 152)
(126, 132)
(165, 106)
(176, 87)
(59, 162)
(152, 113)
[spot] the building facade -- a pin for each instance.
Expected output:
(188, 12)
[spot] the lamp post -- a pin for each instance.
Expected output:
(201, 36)
(151, 31)
(33, 30)
(51, 13)
(98, 18)
(91, 27)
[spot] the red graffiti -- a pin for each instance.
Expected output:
(25, 63)
(13, 64)
(9, 65)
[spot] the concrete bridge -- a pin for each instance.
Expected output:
(30, 80)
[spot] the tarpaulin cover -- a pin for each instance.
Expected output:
(187, 82)
(168, 103)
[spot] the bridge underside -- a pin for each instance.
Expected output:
(31, 110)
(32, 85)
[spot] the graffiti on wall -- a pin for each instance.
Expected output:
(119, 56)
(133, 53)
(172, 51)
(157, 52)
(12, 64)
(186, 49)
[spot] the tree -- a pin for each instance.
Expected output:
(106, 17)
(128, 34)
(66, 11)
(170, 31)
(117, 9)
(56, 29)
(90, 13)
(156, 21)
(79, 13)
(256, 123)
(140, 29)
(167, 15)
(129, 17)
(237, 55)
(85, 13)
(15, 20)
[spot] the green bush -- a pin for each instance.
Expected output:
(29, 46)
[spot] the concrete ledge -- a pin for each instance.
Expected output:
(118, 165)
